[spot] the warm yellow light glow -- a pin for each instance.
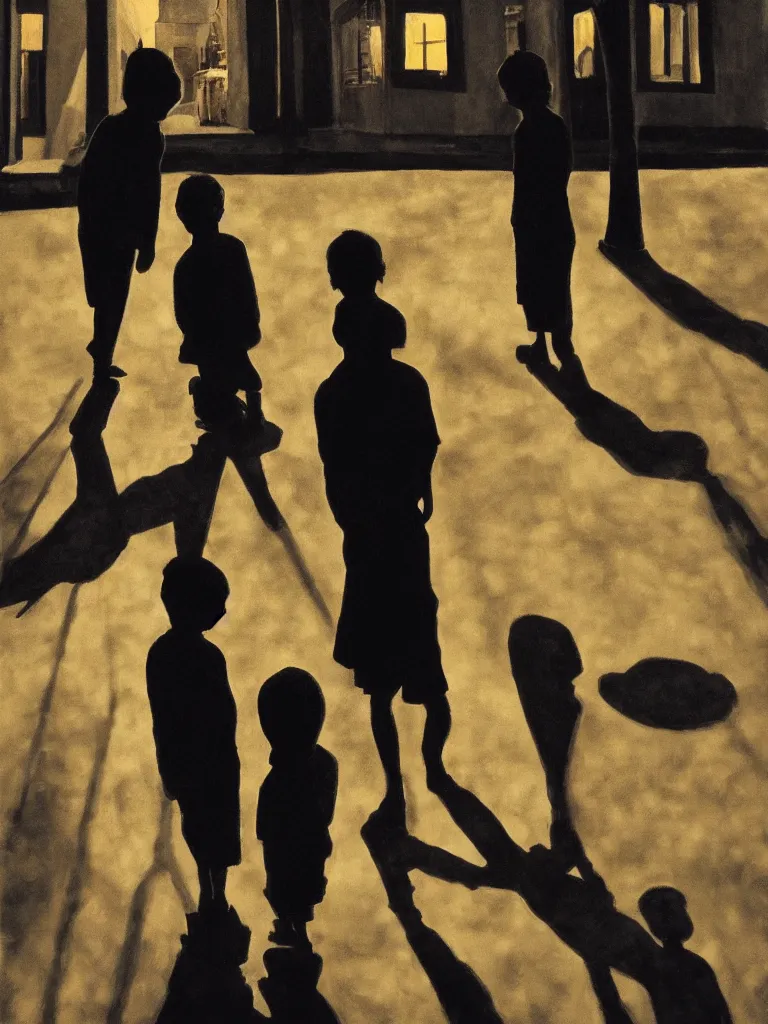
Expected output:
(693, 42)
(584, 44)
(426, 48)
(377, 63)
(32, 31)
(673, 47)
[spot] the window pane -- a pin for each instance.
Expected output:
(377, 63)
(426, 48)
(32, 31)
(693, 43)
(656, 12)
(584, 44)
(676, 19)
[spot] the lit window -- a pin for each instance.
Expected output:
(426, 43)
(514, 27)
(361, 46)
(675, 45)
(675, 29)
(584, 44)
(31, 32)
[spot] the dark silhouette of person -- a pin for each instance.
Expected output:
(290, 988)
(545, 661)
(541, 218)
(118, 197)
(296, 802)
(217, 309)
(194, 722)
(378, 440)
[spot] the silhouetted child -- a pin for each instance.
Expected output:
(296, 802)
(216, 308)
(378, 440)
(118, 197)
(194, 723)
(541, 218)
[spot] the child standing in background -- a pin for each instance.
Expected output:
(541, 217)
(217, 310)
(296, 802)
(118, 197)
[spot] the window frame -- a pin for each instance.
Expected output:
(455, 80)
(643, 50)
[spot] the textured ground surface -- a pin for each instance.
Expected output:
(529, 517)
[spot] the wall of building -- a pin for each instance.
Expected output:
(740, 99)
(65, 76)
(237, 63)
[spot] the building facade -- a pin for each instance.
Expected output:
(379, 68)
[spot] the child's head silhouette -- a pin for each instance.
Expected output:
(355, 263)
(200, 203)
(540, 647)
(151, 86)
(194, 593)
(524, 80)
(666, 912)
(368, 324)
(291, 710)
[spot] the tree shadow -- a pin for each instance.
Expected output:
(658, 454)
(689, 307)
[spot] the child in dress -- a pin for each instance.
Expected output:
(541, 218)
(118, 197)
(216, 308)
(377, 439)
(194, 721)
(296, 802)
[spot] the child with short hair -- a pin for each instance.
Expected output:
(118, 197)
(216, 309)
(378, 440)
(541, 218)
(194, 720)
(296, 802)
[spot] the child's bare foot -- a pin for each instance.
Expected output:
(284, 934)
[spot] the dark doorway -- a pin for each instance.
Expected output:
(586, 74)
(318, 64)
(32, 75)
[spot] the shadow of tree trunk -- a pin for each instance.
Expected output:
(689, 307)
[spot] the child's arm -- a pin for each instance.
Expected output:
(248, 312)
(149, 186)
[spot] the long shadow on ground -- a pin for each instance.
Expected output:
(690, 307)
(660, 454)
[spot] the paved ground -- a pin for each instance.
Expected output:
(529, 518)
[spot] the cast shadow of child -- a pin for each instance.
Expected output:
(93, 532)
(579, 910)
(659, 454)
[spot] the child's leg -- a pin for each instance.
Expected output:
(218, 885)
(206, 888)
(562, 345)
(388, 745)
(107, 320)
(436, 730)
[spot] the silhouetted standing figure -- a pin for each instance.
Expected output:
(194, 723)
(118, 197)
(216, 307)
(541, 218)
(378, 440)
(296, 802)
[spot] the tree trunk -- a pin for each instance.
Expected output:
(625, 222)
